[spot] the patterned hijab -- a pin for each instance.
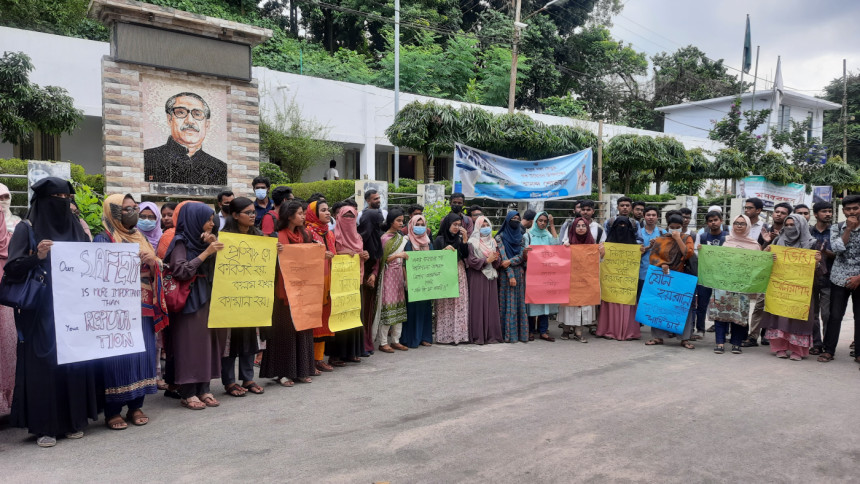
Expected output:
(797, 236)
(155, 234)
(482, 247)
(418, 243)
(317, 227)
(112, 222)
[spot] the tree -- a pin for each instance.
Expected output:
(688, 75)
(670, 157)
(803, 152)
(426, 127)
(690, 178)
(61, 17)
(729, 164)
(838, 174)
(294, 142)
(626, 154)
(26, 107)
(737, 131)
(833, 129)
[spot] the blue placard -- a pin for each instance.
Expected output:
(666, 299)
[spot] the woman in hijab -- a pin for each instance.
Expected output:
(575, 318)
(391, 299)
(452, 314)
(618, 321)
(129, 378)
(348, 344)
(418, 328)
(149, 222)
(512, 290)
(11, 219)
(317, 219)
(483, 263)
(168, 234)
(732, 309)
(197, 349)
(541, 233)
(289, 354)
(242, 343)
(671, 251)
(49, 399)
(370, 229)
(8, 333)
(788, 335)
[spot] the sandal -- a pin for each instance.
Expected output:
(234, 390)
(209, 400)
(353, 360)
(137, 417)
(252, 387)
(162, 385)
(306, 379)
(323, 366)
(795, 357)
(531, 337)
(565, 336)
(424, 343)
(547, 337)
(825, 357)
(654, 342)
(192, 403)
(688, 345)
(336, 363)
(815, 350)
(781, 354)
(116, 423)
(285, 382)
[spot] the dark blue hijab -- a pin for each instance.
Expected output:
(512, 235)
(189, 228)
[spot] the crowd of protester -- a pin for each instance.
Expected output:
(183, 355)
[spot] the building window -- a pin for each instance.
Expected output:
(39, 146)
(784, 118)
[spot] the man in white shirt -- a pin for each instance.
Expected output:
(586, 211)
(224, 198)
(331, 173)
(752, 209)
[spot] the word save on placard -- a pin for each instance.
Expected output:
(619, 273)
(666, 299)
(548, 275)
(432, 274)
(345, 293)
(790, 289)
(243, 287)
(97, 296)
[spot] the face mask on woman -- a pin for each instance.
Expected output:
(486, 231)
(145, 225)
(419, 230)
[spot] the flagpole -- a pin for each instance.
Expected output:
(755, 76)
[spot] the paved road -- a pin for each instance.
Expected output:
(541, 412)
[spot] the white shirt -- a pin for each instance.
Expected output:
(755, 230)
(332, 174)
(222, 219)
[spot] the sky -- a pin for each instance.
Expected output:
(811, 37)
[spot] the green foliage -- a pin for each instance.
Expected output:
(274, 173)
(688, 75)
(61, 17)
(565, 106)
(434, 213)
(833, 128)
(90, 205)
(14, 166)
(690, 178)
(840, 175)
(26, 107)
(334, 190)
(737, 131)
(293, 141)
(773, 166)
(802, 151)
(628, 154)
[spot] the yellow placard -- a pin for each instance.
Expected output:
(243, 286)
(345, 293)
(619, 273)
(789, 290)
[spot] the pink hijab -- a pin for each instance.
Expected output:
(418, 243)
(743, 241)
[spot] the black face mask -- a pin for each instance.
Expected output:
(456, 208)
(225, 209)
(515, 223)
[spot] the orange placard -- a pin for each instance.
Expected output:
(584, 275)
(303, 269)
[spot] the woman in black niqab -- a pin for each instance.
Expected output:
(50, 400)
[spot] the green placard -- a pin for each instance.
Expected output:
(432, 274)
(736, 270)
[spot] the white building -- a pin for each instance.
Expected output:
(697, 118)
(356, 115)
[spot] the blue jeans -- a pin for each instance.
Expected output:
(739, 332)
(539, 324)
(703, 298)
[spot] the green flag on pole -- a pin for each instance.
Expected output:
(747, 48)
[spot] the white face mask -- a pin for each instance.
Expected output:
(674, 231)
(5, 204)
